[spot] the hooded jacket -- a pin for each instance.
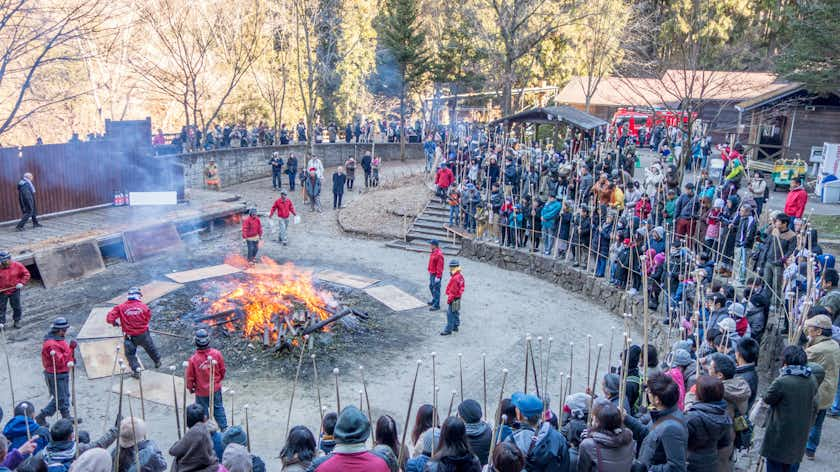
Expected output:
(664, 440)
(824, 351)
(709, 429)
(16, 432)
(466, 463)
(194, 452)
(478, 437)
(610, 451)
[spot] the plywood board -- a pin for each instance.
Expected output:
(95, 326)
(343, 278)
(203, 273)
(157, 388)
(71, 262)
(98, 357)
(150, 241)
(151, 291)
(394, 298)
(266, 269)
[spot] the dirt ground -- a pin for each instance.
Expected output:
(388, 211)
(499, 308)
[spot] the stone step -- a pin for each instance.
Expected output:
(422, 223)
(423, 233)
(447, 249)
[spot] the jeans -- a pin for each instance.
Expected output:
(816, 431)
(14, 300)
(63, 394)
(315, 200)
(282, 225)
(434, 287)
(773, 466)
(145, 341)
(453, 319)
(454, 215)
(276, 180)
(31, 213)
(835, 407)
(600, 266)
(218, 408)
(292, 178)
(430, 157)
(337, 199)
(253, 246)
(743, 255)
(548, 237)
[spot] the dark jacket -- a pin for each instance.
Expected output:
(758, 309)
(64, 452)
(709, 428)
(745, 234)
(748, 373)
(291, 165)
(338, 181)
(194, 452)
(687, 207)
(777, 248)
(664, 440)
(26, 196)
(478, 437)
(417, 464)
(465, 463)
(151, 459)
(366, 163)
(607, 452)
(792, 401)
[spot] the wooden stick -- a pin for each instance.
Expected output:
(367, 398)
(498, 410)
(337, 394)
(484, 380)
(136, 439)
(547, 364)
(594, 381)
(119, 410)
(571, 358)
(175, 400)
(185, 364)
(527, 345)
(610, 352)
(142, 397)
(540, 363)
(588, 359)
(212, 387)
(451, 403)
(55, 379)
(622, 388)
(434, 391)
(317, 388)
(534, 369)
(111, 385)
(408, 413)
(9, 365)
(461, 374)
(247, 430)
(294, 386)
(232, 407)
(72, 366)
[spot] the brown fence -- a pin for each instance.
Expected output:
(78, 175)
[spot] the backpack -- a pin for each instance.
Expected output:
(542, 455)
(637, 405)
(743, 430)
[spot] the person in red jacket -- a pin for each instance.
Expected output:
(454, 291)
(56, 352)
(797, 198)
(352, 429)
(198, 376)
(13, 276)
(283, 207)
(435, 274)
(443, 179)
(252, 233)
(133, 317)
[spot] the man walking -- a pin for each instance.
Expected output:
(133, 317)
(201, 363)
(55, 354)
(291, 170)
(435, 274)
(454, 291)
(13, 276)
(366, 166)
(26, 198)
(276, 171)
(283, 207)
(339, 178)
(312, 185)
(252, 233)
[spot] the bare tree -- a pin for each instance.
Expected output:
(597, 40)
(34, 38)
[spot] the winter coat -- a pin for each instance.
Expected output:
(777, 248)
(455, 287)
(745, 231)
(16, 432)
(687, 207)
(283, 207)
(294, 465)
(792, 401)
(549, 213)
(736, 393)
(417, 464)
(795, 202)
(194, 452)
(709, 429)
(64, 452)
(361, 461)
(565, 226)
(479, 436)
(444, 177)
(554, 442)
(466, 463)
(338, 181)
(436, 262)
(313, 186)
(748, 373)
(664, 440)
(134, 317)
(601, 240)
(251, 227)
(611, 451)
(26, 196)
(825, 352)
(291, 166)
(63, 354)
(151, 459)
(15, 274)
(198, 372)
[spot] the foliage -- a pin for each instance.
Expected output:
(813, 55)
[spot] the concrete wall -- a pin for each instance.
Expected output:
(237, 165)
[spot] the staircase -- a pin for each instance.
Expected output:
(429, 224)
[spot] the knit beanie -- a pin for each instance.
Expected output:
(236, 459)
(470, 411)
(234, 435)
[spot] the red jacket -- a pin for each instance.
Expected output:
(198, 372)
(15, 274)
(283, 207)
(444, 177)
(455, 287)
(436, 262)
(251, 227)
(795, 203)
(134, 317)
(63, 355)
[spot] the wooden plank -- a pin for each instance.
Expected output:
(71, 262)
(157, 388)
(151, 291)
(343, 278)
(203, 273)
(95, 326)
(98, 357)
(151, 241)
(394, 298)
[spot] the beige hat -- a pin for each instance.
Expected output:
(127, 431)
(819, 321)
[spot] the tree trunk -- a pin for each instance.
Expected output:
(402, 125)
(507, 88)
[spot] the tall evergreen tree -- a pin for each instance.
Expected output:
(404, 50)
(813, 55)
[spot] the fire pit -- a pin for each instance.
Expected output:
(276, 305)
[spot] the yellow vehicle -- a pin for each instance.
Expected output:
(786, 169)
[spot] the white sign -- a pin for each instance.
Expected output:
(152, 198)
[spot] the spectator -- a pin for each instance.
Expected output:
(454, 454)
(824, 351)
(607, 446)
(796, 199)
(664, 439)
(351, 431)
(299, 450)
(479, 433)
(195, 450)
(709, 426)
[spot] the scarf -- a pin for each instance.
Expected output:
(61, 451)
(798, 370)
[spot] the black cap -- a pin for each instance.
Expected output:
(202, 338)
(5, 256)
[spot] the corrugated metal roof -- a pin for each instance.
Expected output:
(770, 96)
(559, 114)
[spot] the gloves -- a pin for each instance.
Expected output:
(19, 286)
(117, 322)
(73, 344)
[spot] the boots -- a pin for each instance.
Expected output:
(16, 324)
(41, 419)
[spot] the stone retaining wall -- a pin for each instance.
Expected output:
(237, 165)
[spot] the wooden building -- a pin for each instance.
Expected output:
(788, 122)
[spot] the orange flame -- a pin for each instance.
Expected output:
(274, 299)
